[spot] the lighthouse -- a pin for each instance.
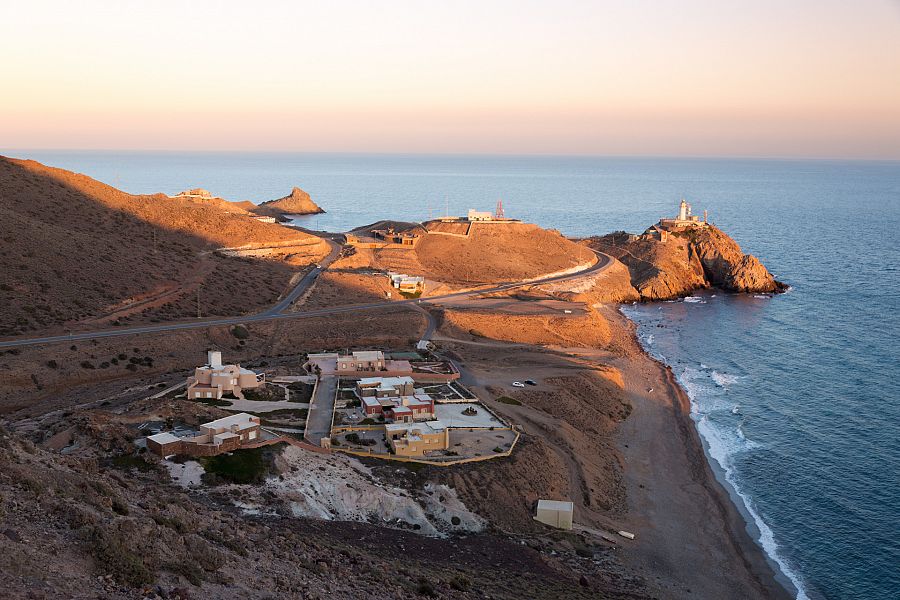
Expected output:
(684, 211)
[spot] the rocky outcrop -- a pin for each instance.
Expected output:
(297, 202)
(687, 261)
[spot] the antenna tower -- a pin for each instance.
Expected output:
(498, 214)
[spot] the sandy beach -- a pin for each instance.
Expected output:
(692, 536)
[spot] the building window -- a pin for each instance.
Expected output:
(253, 435)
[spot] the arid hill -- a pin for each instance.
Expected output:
(490, 253)
(687, 261)
(74, 249)
(297, 202)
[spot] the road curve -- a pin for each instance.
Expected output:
(276, 312)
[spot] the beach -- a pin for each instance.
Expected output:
(691, 539)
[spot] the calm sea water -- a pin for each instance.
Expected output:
(797, 397)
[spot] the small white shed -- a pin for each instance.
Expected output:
(555, 513)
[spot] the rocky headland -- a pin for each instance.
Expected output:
(693, 259)
(297, 202)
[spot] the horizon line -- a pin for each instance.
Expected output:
(784, 158)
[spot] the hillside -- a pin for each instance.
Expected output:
(687, 261)
(490, 253)
(74, 249)
(297, 202)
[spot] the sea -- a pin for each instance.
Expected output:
(796, 396)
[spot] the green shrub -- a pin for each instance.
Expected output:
(240, 332)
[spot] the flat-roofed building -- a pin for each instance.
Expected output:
(214, 380)
(417, 439)
(475, 215)
(555, 513)
(384, 387)
(222, 435)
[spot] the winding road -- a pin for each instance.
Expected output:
(277, 312)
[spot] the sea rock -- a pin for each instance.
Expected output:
(297, 202)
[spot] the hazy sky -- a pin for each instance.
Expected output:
(688, 77)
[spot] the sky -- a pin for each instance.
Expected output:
(773, 78)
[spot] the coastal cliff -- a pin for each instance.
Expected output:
(686, 261)
(297, 202)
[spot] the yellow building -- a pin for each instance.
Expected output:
(417, 439)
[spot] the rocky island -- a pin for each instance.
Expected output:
(297, 202)
(518, 322)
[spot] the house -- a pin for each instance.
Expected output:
(394, 398)
(383, 387)
(363, 361)
(475, 215)
(222, 435)
(407, 283)
(214, 379)
(555, 513)
(417, 439)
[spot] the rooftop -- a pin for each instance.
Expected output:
(240, 419)
(164, 438)
(555, 505)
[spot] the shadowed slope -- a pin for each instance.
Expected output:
(75, 248)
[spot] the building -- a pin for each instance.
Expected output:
(417, 439)
(365, 361)
(222, 435)
(264, 219)
(214, 380)
(475, 215)
(395, 399)
(407, 283)
(384, 387)
(555, 513)
(404, 238)
(684, 219)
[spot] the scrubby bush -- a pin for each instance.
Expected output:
(240, 332)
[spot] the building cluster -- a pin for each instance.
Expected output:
(407, 284)
(395, 399)
(214, 380)
(222, 435)
(685, 220)
(404, 238)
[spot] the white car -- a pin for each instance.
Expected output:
(518, 384)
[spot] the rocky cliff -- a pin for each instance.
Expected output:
(297, 202)
(687, 261)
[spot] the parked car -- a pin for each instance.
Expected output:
(530, 382)
(518, 384)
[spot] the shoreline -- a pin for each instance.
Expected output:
(763, 569)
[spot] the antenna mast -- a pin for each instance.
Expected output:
(498, 213)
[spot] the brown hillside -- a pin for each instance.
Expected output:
(493, 253)
(74, 248)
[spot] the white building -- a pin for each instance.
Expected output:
(555, 513)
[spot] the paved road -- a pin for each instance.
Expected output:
(604, 261)
(307, 281)
(318, 422)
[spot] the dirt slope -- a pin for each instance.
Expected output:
(687, 261)
(75, 248)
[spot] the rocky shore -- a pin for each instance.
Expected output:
(687, 261)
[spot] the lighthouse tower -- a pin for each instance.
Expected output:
(684, 211)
